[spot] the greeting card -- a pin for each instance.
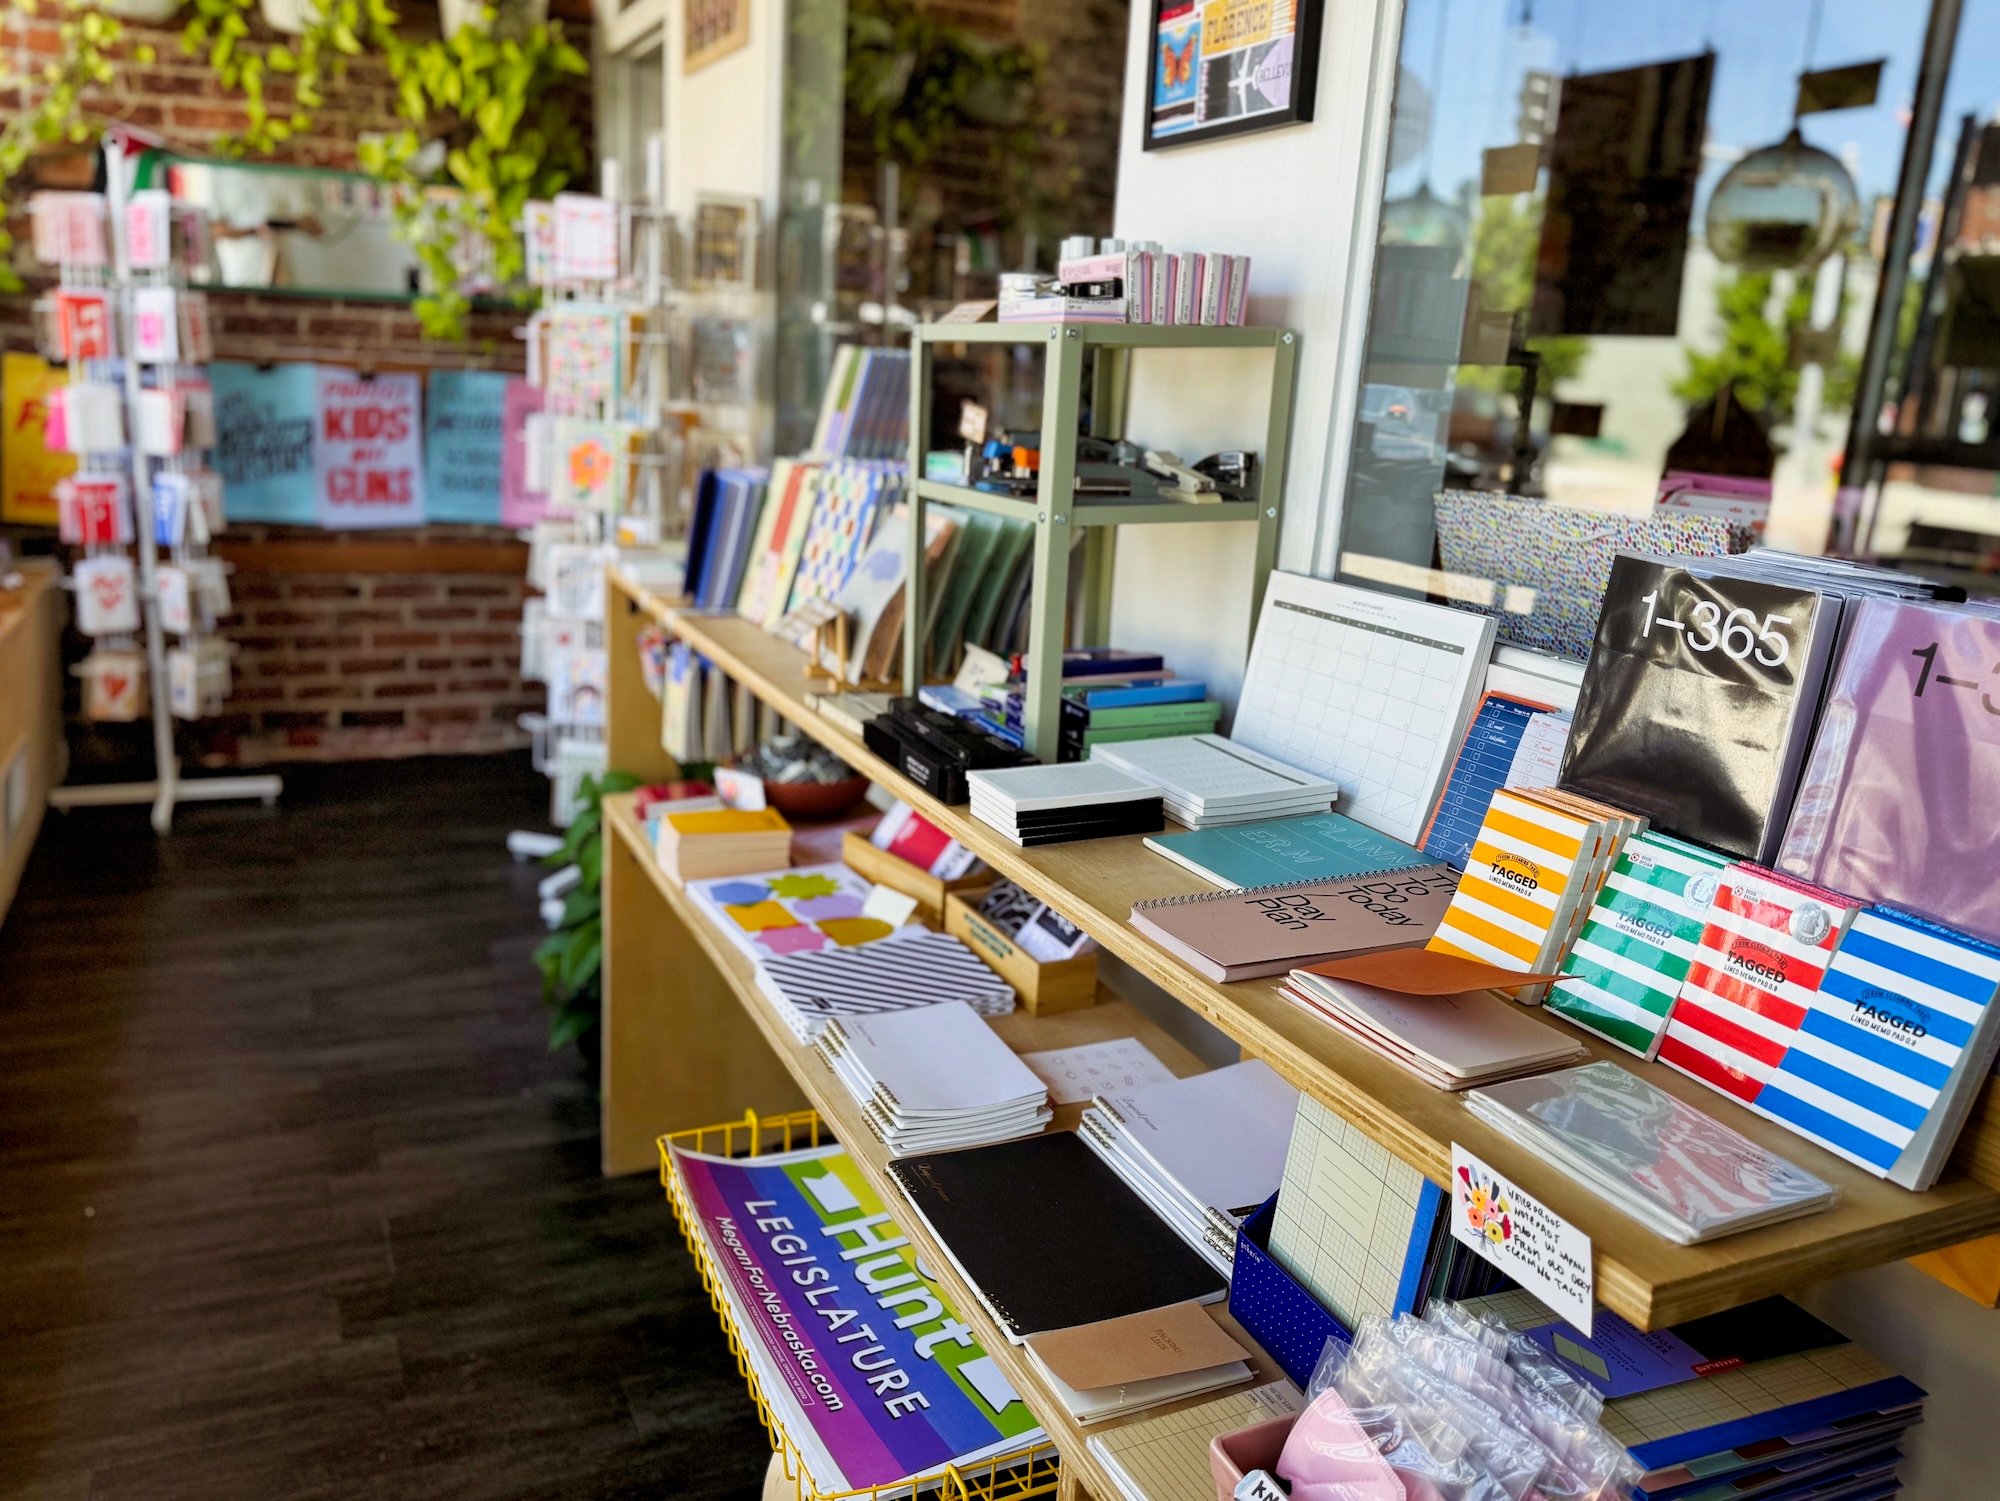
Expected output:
(107, 595)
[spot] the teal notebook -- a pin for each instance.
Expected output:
(1316, 847)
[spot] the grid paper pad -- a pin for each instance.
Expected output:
(1345, 1212)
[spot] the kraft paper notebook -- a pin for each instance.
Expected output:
(1269, 930)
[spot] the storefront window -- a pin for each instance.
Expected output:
(1628, 264)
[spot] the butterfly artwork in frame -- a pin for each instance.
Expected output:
(1227, 67)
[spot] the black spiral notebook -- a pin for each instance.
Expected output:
(1050, 1237)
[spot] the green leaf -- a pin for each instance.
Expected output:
(570, 1024)
(580, 906)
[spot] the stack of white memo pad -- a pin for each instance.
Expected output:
(935, 1078)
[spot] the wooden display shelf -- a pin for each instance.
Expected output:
(838, 1112)
(1639, 1275)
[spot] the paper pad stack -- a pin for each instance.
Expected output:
(1450, 1041)
(1073, 800)
(723, 842)
(1675, 1170)
(1535, 868)
(912, 970)
(1210, 781)
(935, 1078)
(1202, 1152)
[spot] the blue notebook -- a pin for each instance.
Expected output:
(1280, 851)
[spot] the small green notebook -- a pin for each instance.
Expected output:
(1275, 851)
(1637, 944)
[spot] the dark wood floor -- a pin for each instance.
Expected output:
(295, 1203)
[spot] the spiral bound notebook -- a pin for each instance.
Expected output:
(1270, 930)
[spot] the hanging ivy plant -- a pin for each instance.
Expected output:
(335, 31)
(54, 109)
(501, 102)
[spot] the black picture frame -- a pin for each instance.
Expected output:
(1179, 86)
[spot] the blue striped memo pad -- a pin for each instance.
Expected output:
(1895, 1048)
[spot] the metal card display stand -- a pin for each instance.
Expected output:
(1060, 514)
(168, 788)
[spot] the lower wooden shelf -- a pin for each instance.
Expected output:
(836, 1111)
(1641, 1276)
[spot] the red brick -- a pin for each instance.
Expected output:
(368, 615)
(284, 667)
(313, 589)
(354, 667)
(405, 638)
(405, 689)
(403, 588)
(449, 714)
(284, 617)
(505, 614)
(325, 643)
(293, 719)
(443, 612)
(482, 685)
(480, 591)
(436, 664)
(485, 638)
(305, 693)
(371, 718)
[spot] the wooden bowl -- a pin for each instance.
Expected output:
(815, 800)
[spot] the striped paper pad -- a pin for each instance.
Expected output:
(1534, 868)
(916, 968)
(1638, 943)
(1902, 1019)
(1763, 952)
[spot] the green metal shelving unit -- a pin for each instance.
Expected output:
(1058, 513)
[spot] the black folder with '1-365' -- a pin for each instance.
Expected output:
(1049, 1236)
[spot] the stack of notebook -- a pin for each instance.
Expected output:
(1534, 870)
(1450, 1041)
(1684, 643)
(1905, 746)
(1638, 942)
(1208, 780)
(1314, 847)
(1677, 1171)
(1117, 1367)
(919, 968)
(1203, 1151)
(1760, 1402)
(1034, 805)
(1763, 951)
(935, 1078)
(722, 842)
(1049, 1237)
(1511, 742)
(1269, 930)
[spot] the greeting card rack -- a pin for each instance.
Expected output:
(190, 679)
(607, 446)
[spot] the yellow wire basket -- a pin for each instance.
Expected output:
(1037, 1473)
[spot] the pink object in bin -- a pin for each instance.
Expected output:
(1231, 1456)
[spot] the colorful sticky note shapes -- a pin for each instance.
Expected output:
(740, 893)
(850, 932)
(813, 908)
(758, 916)
(797, 939)
(794, 887)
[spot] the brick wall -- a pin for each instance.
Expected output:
(344, 663)
(351, 665)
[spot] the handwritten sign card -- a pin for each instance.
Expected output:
(264, 429)
(464, 426)
(368, 450)
(1522, 1236)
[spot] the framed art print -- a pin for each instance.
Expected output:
(725, 242)
(712, 29)
(1227, 67)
